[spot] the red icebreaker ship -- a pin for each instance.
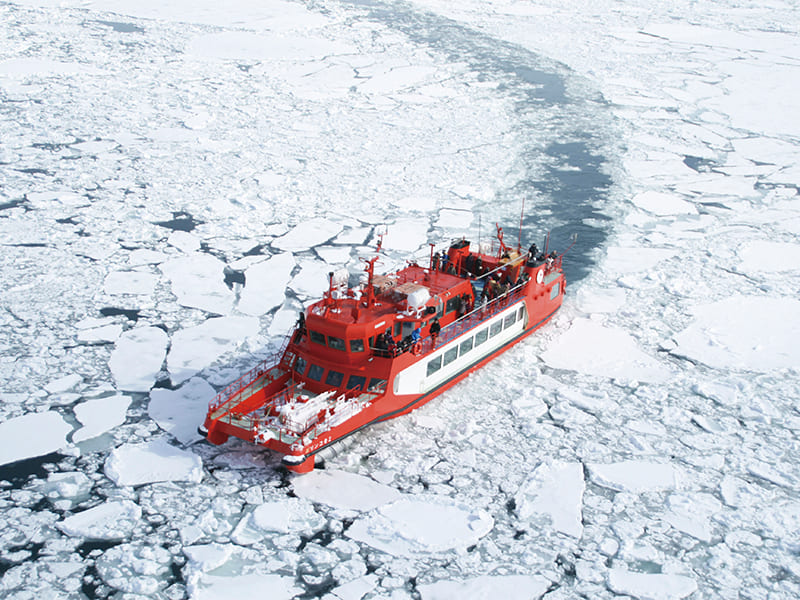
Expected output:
(367, 354)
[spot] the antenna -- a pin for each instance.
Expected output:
(519, 238)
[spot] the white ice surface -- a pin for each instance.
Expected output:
(130, 282)
(750, 333)
(265, 284)
(137, 358)
(253, 585)
(635, 476)
(554, 491)
(591, 348)
(769, 257)
(195, 348)
(156, 460)
(293, 515)
(487, 587)
(112, 520)
(198, 282)
(308, 234)
(178, 411)
(410, 527)
(341, 489)
(651, 586)
(662, 203)
(33, 434)
(100, 415)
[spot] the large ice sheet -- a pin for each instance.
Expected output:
(419, 527)
(751, 333)
(32, 435)
(635, 476)
(307, 234)
(156, 460)
(197, 347)
(651, 586)
(112, 520)
(198, 282)
(591, 348)
(100, 415)
(252, 585)
(508, 587)
(759, 257)
(179, 412)
(137, 358)
(265, 284)
(341, 489)
(554, 491)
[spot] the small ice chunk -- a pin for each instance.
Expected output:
(100, 335)
(691, 513)
(143, 256)
(308, 234)
(589, 347)
(635, 476)
(130, 282)
(555, 491)
(286, 516)
(207, 557)
(137, 358)
(355, 589)
(112, 520)
(661, 203)
(34, 434)
(265, 284)
(63, 384)
(179, 411)
(135, 464)
(507, 587)
(100, 415)
(419, 527)
(137, 568)
(197, 347)
(72, 484)
(651, 586)
(764, 341)
(198, 281)
(185, 241)
(341, 489)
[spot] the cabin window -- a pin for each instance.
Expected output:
(300, 365)
(335, 343)
(334, 378)
(376, 385)
(521, 313)
(356, 382)
(482, 336)
(397, 328)
(315, 372)
(356, 345)
(408, 327)
(554, 292)
(316, 337)
(466, 346)
(496, 327)
(510, 319)
(452, 305)
(434, 365)
(451, 355)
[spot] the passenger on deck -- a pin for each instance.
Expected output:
(300, 327)
(435, 329)
(391, 347)
(436, 259)
(443, 264)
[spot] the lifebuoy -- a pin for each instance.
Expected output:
(416, 348)
(539, 276)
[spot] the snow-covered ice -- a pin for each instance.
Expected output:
(177, 411)
(100, 415)
(32, 435)
(112, 520)
(513, 587)
(137, 358)
(341, 489)
(554, 491)
(137, 464)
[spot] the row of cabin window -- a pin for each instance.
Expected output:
(335, 342)
(479, 338)
(335, 378)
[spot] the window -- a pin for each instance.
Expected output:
(451, 355)
(376, 385)
(334, 378)
(315, 372)
(335, 343)
(510, 319)
(316, 337)
(452, 305)
(397, 327)
(300, 365)
(356, 345)
(554, 292)
(356, 382)
(482, 336)
(466, 346)
(521, 313)
(434, 365)
(496, 327)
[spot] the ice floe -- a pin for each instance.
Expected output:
(130, 282)
(33, 434)
(662, 203)
(410, 527)
(651, 586)
(219, 587)
(112, 520)
(750, 333)
(293, 515)
(137, 358)
(341, 489)
(591, 348)
(635, 476)
(100, 415)
(308, 234)
(179, 411)
(554, 491)
(510, 587)
(156, 460)
(198, 282)
(195, 348)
